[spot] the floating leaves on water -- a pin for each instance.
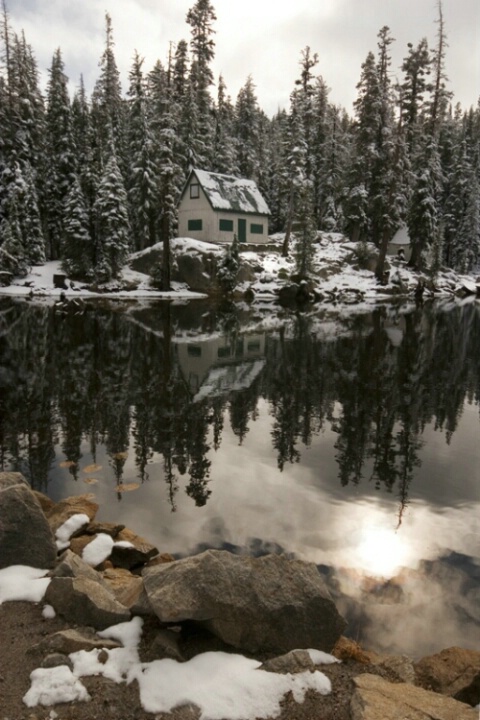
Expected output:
(120, 456)
(90, 480)
(92, 468)
(67, 463)
(127, 487)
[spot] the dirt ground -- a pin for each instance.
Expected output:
(22, 626)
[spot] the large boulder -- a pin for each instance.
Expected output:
(25, 535)
(454, 671)
(255, 604)
(377, 699)
(84, 602)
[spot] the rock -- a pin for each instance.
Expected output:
(165, 645)
(55, 660)
(377, 699)
(136, 551)
(399, 668)
(112, 529)
(46, 503)
(73, 566)
(454, 672)
(255, 604)
(293, 662)
(63, 510)
(25, 535)
(84, 602)
(69, 641)
(160, 559)
(79, 543)
(346, 649)
(128, 590)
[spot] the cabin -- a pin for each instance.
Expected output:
(400, 244)
(214, 207)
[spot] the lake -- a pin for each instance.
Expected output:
(349, 438)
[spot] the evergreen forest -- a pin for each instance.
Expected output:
(89, 179)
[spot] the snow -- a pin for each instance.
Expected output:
(227, 192)
(337, 277)
(20, 582)
(48, 612)
(69, 527)
(222, 685)
(98, 550)
(54, 685)
(322, 658)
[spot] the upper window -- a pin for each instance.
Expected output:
(194, 191)
(256, 229)
(226, 225)
(194, 224)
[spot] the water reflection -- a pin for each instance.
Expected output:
(349, 441)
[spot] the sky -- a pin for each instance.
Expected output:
(262, 38)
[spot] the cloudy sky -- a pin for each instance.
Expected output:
(263, 38)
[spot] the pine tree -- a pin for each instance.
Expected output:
(423, 217)
(416, 67)
(108, 109)
(305, 230)
(224, 156)
(143, 174)
(112, 224)
(77, 256)
(12, 251)
(247, 130)
(60, 154)
(228, 266)
(201, 18)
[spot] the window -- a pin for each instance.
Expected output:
(194, 191)
(194, 224)
(224, 352)
(194, 350)
(256, 229)
(253, 346)
(226, 225)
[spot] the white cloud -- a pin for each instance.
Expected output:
(263, 38)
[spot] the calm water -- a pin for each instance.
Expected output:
(350, 440)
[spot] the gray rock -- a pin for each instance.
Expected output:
(399, 668)
(293, 662)
(25, 535)
(84, 602)
(165, 645)
(377, 699)
(255, 604)
(71, 640)
(55, 660)
(73, 566)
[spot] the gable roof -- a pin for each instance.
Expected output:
(229, 193)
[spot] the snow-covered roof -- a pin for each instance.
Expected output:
(226, 192)
(401, 237)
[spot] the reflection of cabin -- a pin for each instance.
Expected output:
(214, 207)
(214, 365)
(400, 244)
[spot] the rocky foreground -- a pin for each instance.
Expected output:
(273, 609)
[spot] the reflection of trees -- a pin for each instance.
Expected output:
(98, 377)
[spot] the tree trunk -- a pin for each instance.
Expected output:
(288, 230)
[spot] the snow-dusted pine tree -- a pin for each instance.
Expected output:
(60, 154)
(142, 165)
(112, 224)
(77, 255)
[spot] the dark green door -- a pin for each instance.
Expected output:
(242, 231)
